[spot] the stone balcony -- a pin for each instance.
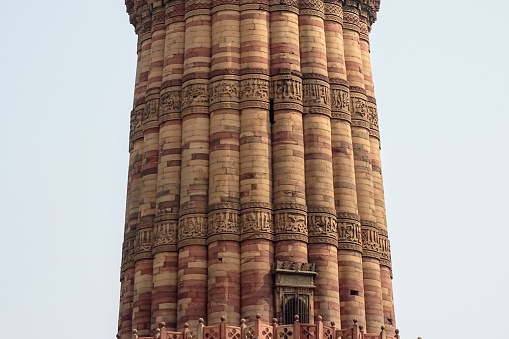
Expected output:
(259, 330)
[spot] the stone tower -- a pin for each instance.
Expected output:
(255, 183)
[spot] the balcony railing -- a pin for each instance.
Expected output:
(260, 330)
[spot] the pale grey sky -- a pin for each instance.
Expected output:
(441, 77)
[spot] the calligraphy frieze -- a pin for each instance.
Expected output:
(316, 92)
(192, 229)
(254, 89)
(385, 250)
(322, 228)
(256, 224)
(170, 102)
(224, 90)
(128, 253)
(340, 100)
(291, 226)
(165, 235)
(223, 222)
(143, 249)
(287, 88)
(370, 246)
(195, 95)
(373, 117)
(350, 235)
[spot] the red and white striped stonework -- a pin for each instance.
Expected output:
(254, 172)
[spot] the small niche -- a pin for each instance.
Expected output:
(354, 292)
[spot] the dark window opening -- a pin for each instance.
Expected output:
(271, 112)
(295, 304)
(354, 292)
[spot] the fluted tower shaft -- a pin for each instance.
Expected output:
(254, 182)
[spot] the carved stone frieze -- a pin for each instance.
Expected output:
(136, 130)
(254, 89)
(284, 5)
(360, 109)
(170, 102)
(223, 91)
(256, 224)
(311, 7)
(192, 230)
(128, 253)
(385, 249)
(373, 116)
(316, 93)
(223, 225)
(295, 266)
(287, 88)
(291, 225)
(340, 99)
(350, 235)
(350, 20)
(322, 228)
(334, 12)
(197, 4)
(165, 236)
(194, 95)
(370, 242)
(143, 244)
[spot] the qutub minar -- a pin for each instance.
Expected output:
(255, 202)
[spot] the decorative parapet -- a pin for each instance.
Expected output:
(259, 330)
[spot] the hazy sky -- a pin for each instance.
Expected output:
(67, 78)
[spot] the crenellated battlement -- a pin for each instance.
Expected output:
(259, 330)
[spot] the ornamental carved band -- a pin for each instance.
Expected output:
(143, 244)
(170, 106)
(195, 95)
(256, 89)
(385, 250)
(224, 94)
(192, 230)
(350, 235)
(223, 225)
(323, 228)
(256, 224)
(287, 88)
(128, 254)
(316, 97)
(291, 226)
(165, 237)
(370, 242)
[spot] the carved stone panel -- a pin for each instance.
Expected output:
(287, 88)
(385, 250)
(323, 229)
(291, 226)
(254, 89)
(143, 248)
(223, 225)
(224, 94)
(370, 242)
(192, 230)
(194, 95)
(256, 223)
(128, 254)
(350, 235)
(165, 236)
